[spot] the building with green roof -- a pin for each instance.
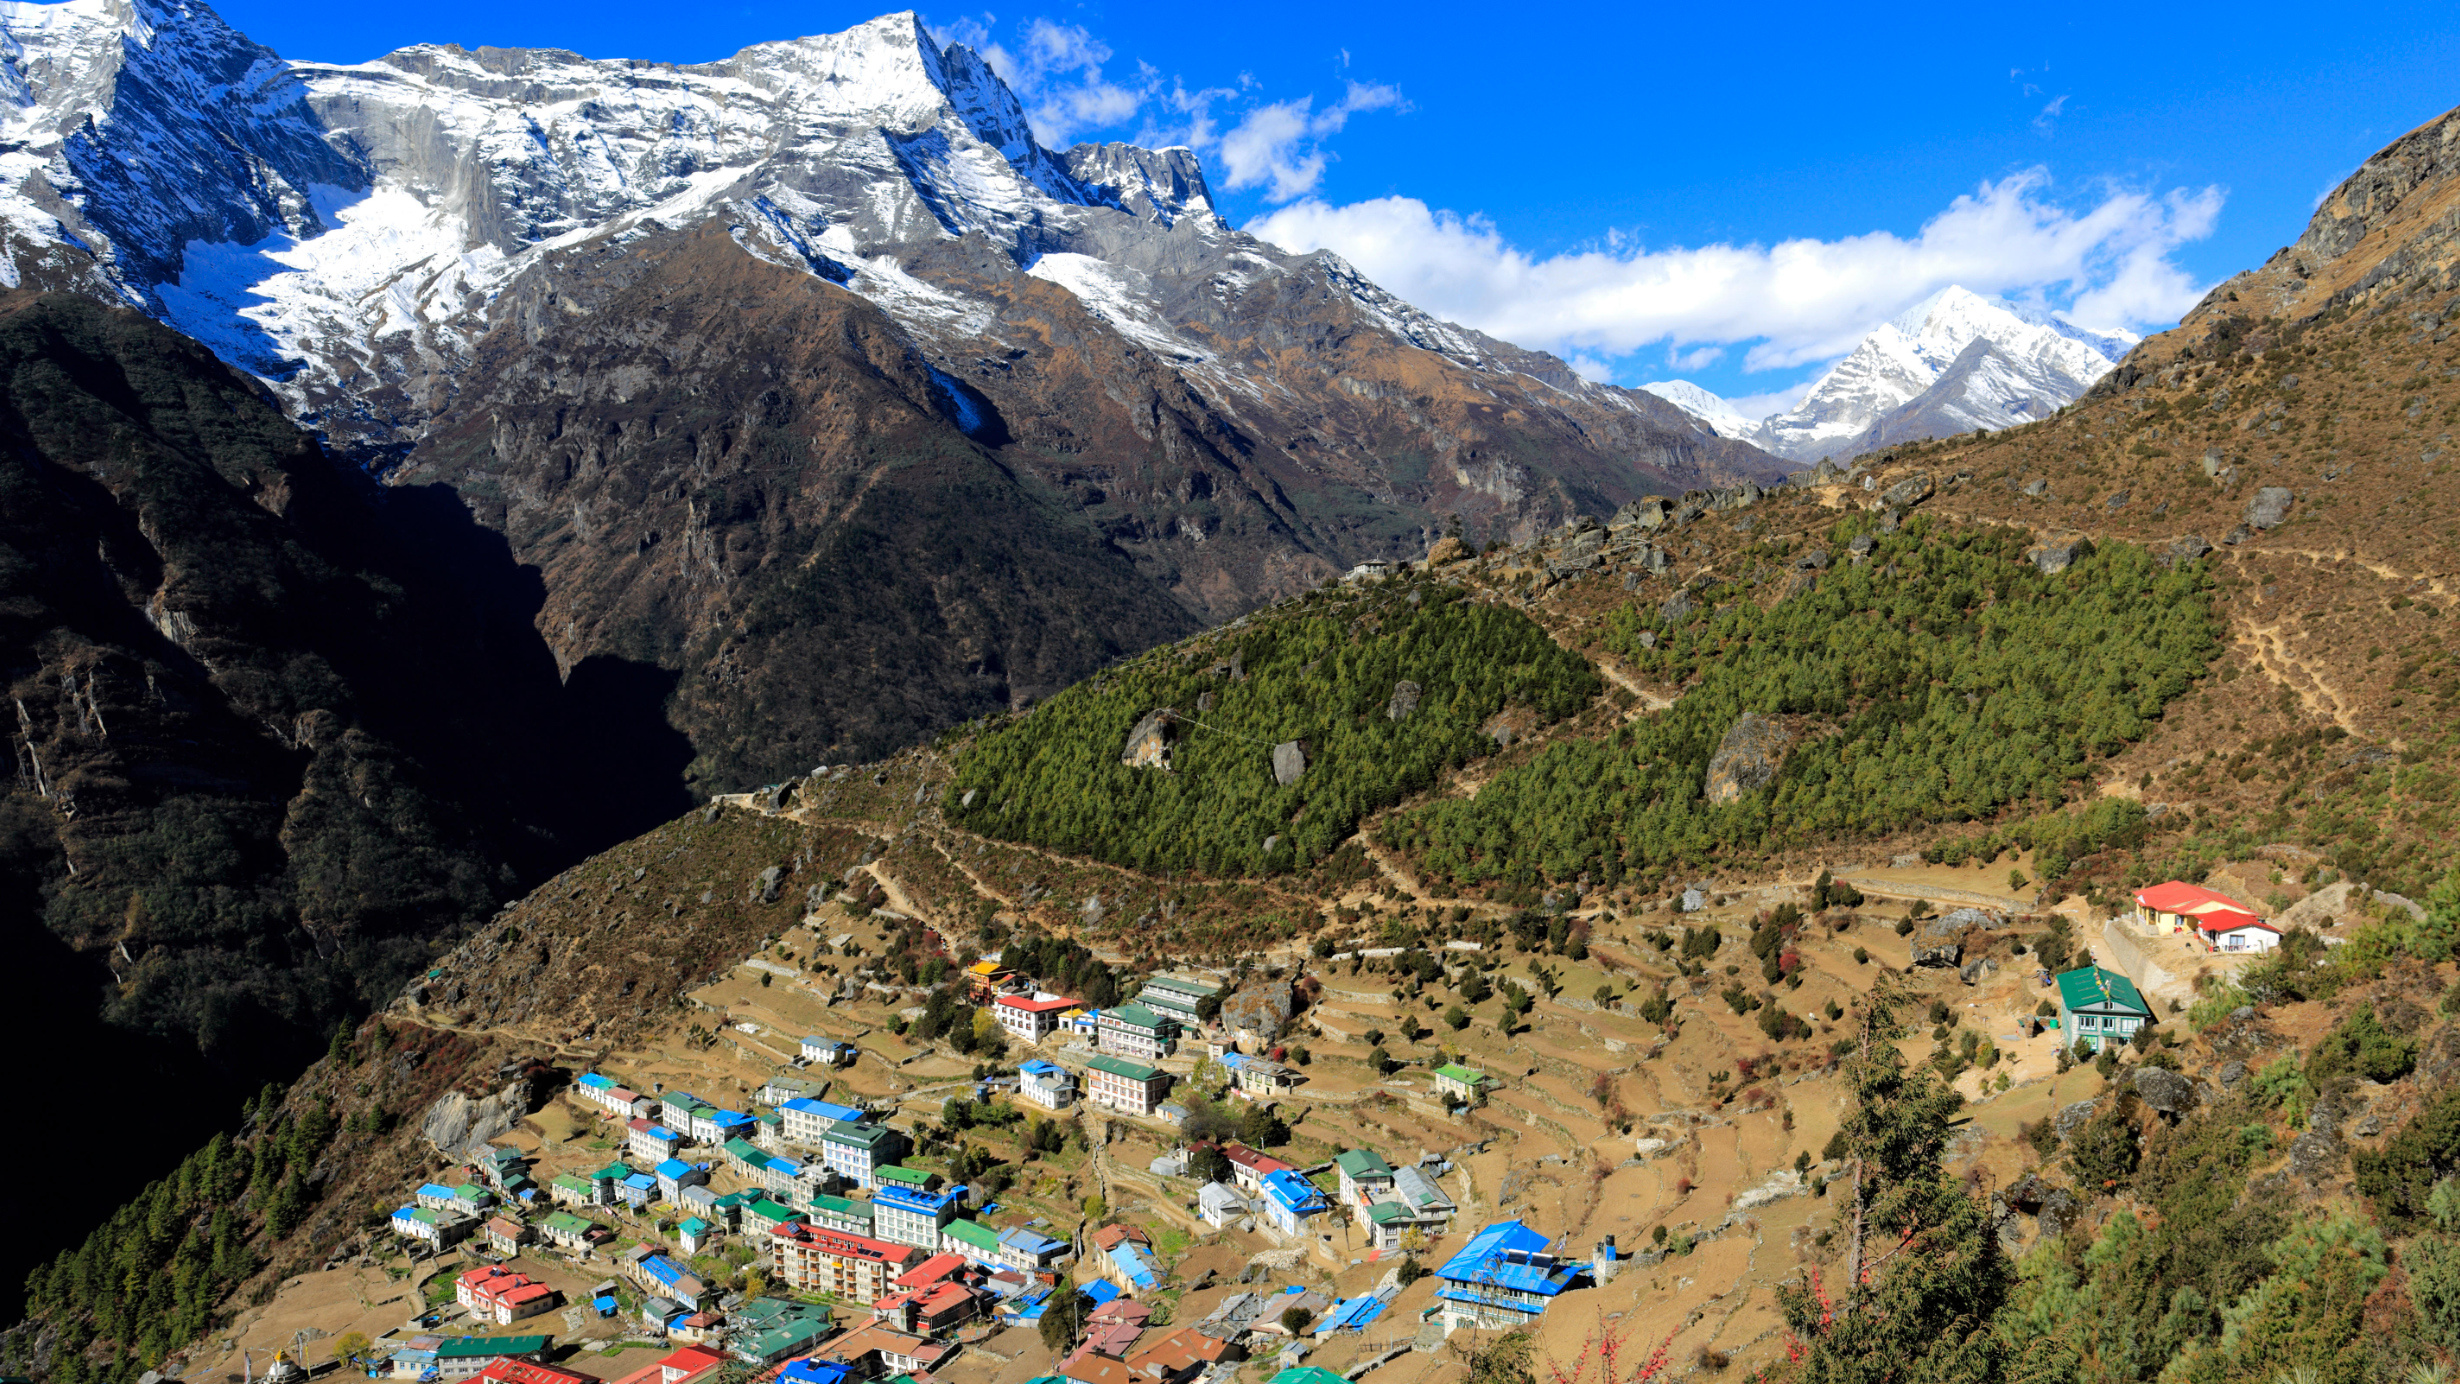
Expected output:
(1364, 1176)
(567, 1231)
(2098, 1006)
(1467, 1083)
(1307, 1374)
(568, 1190)
(764, 1215)
(1178, 997)
(841, 1214)
(1124, 1085)
(1132, 1030)
(972, 1239)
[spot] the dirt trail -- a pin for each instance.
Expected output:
(1649, 701)
(2269, 649)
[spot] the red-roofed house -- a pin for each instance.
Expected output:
(1249, 1168)
(688, 1363)
(932, 1270)
(496, 1294)
(523, 1372)
(1030, 1017)
(935, 1308)
(2225, 924)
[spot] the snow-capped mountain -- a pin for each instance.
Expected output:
(1904, 376)
(1707, 406)
(351, 232)
(1951, 363)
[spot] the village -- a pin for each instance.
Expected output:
(838, 1226)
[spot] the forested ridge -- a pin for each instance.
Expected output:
(1324, 671)
(1943, 678)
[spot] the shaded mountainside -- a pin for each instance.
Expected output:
(272, 739)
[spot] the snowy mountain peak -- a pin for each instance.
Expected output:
(1707, 406)
(1918, 375)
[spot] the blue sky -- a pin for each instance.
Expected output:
(1728, 195)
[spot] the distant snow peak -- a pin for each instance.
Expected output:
(1710, 408)
(1920, 374)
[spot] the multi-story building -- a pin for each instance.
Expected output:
(806, 1121)
(1501, 1280)
(1132, 1030)
(1365, 1176)
(909, 1215)
(1178, 997)
(496, 1294)
(853, 1151)
(1290, 1201)
(1046, 1084)
(807, 1259)
(1031, 1017)
(1124, 1085)
(651, 1142)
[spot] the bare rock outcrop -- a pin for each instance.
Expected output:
(462, 1126)
(1747, 758)
(1148, 745)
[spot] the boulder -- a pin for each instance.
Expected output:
(2057, 1209)
(1941, 954)
(970, 795)
(2071, 1118)
(1862, 545)
(1448, 549)
(2231, 1074)
(768, 884)
(2164, 1090)
(1651, 513)
(1404, 700)
(2270, 507)
(2117, 501)
(1907, 493)
(1148, 745)
(460, 1127)
(2315, 1155)
(2187, 549)
(1742, 496)
(1814, 561)
(1826, 473)
(1675, 608)
(1747, 758)
(2052, 556)
(2038, 488)
(1977, 970)
(1289, 761)
(1955, 921)
(1204, 702)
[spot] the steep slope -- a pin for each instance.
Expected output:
(271, 739)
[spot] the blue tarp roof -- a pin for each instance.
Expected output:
(1351, 1315)
(1133, 1263)
(673, 1167)
(809, 1371)
(1507, 1254)
(1101, 1290)
(1295, 1192)
(1039, 1067)
(642, 1181)
(436, 1189)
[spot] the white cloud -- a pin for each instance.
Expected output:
(1057, 71)
(2047, 123)
(1773, 402)
(1796, 302)
(1700, 359)
(1280, 146)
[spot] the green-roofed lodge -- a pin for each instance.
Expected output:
(2098, 1006)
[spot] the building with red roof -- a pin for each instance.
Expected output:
(1248, 1168)
(2225, 924)
(811, 1260)
(493, 1293)
(1030, 1017)
(523, 1372)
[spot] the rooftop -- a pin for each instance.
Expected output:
(2092, 985)
(1120, 1066)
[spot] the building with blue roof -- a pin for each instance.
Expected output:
(637, 1190)
(1131, 1266)
(1029, 1250)
(1502, 1279)
(435, 1196)
(907, 1215)
(674, 1175)
(814, 1371)
(1290, 1201)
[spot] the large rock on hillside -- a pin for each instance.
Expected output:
(1404, 700)
(1289, 761)
(460, 1127)
(1148, 745)
(2054, 555)
(2270, 507)
(1907, 493)
(2164, 1090)
(1747, 758)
